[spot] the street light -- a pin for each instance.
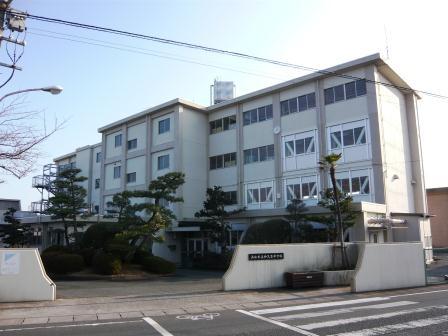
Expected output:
(55, 89)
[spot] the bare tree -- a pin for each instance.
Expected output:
(21, 133)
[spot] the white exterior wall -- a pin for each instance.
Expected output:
(111, 150)
(96, 174)
(111, 182)
(136, 165)
(156, 172)
(194, 159)
(396, 149)
(83, 162)
(158, 139)
(137, 132)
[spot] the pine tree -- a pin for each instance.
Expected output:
(301, 229)
(15, 233)
(67, 201)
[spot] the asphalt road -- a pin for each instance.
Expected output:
(422, 313)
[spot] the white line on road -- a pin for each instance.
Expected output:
(388, 329)
(342, 311)
(280, 324)
(419, 293)
(318, 305)
(70, 325)
(157, 327)
(333, 323)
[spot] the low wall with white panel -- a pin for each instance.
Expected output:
(388, 266)
(263, 266)
(23, 277)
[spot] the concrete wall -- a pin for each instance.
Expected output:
(24, 279)
(388, 266)
(245, 274)
(437, 206)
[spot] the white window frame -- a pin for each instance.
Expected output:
(117, 172)
(356, 173)
(159, 158)
(258, 187)
(118, 140)
(162, 126)
(352, 125)
(301, 180)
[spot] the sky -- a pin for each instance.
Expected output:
(107, 77)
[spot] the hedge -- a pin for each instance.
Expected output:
(104, 263)
(158, 265)
(64, 263)
(274, 231)
(98, 235)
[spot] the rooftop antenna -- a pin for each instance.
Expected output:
(387, 42)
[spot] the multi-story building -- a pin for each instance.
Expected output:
(263, 148)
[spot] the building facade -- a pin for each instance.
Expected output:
(263, 149)
(437, 204)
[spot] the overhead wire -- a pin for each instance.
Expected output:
(223, 51)
(138, 50)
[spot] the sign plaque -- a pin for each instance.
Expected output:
(266, 256)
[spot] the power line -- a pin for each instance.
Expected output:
(138, 50)
(220, 51)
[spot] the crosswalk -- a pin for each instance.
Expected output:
(359, 317)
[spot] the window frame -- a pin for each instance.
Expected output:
(118, 140)
(164, 125)
(161, 162)
(117, 172)
(132, 144)
(99, 157)
(253, 116)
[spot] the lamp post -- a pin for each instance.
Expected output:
(55, 89)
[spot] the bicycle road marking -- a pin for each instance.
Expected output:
(205, 316)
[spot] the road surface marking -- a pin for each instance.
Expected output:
(318, 305)
(342, 311)
(388, 329)
(70, 325)
(333, 323)
(280, 324)
(157, 327)
(419, 293)
(205, 316)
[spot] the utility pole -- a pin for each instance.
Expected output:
(4, 6)
(14, 20)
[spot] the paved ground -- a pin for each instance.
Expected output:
(439, 268)
(422, 311)
(183, 282)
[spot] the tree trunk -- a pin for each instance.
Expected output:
(67, 241)
(338, 217)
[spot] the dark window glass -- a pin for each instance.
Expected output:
(212, 127)
(313, 191)
(97, 183)
(350, 90)
(253, 116)
(311, 98)
(335, 139)
(302, 103)
(247, 156)
(98, 157)
(263, 195)
(213, 162)
(348, 137)
(305, 190)
(233, 158)
(164, 126)
(271, 152)
(219, 161)
(355, 185)
(229, 159)
(163, 162)
(293, 105)
(246, 118)
(263, 153)
(365, 185)
(255, 157)
(284, 107)
(117, 172)
(230, 197)
(361, 87)
(269, 112)
(344, 184)
(289, 148)
(132, 144)
(360, 135)
(226, 123)
(262, 114)
(218, 125)
(131, 177)
(329, 96)
(300, 146)
(309, 145)
(232, 122)
(118, 140)
(339, 93)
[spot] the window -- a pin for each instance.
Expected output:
(253, 196)
(257, 115)
(354, 182)
(360, 185)
(298, 104)
(266, 194)
(223, 124)
(303, 188)
(118, 140)
(345, 91)
(343, 185)
(98, 157)
(231, 197)
(117, 172)
(132, 144)
(163, 162)
(264, 153)
(260, 194)
(131, 177)
(222, 161)
(300, 146)
(97, 183)
(164, 125)
(348, 137)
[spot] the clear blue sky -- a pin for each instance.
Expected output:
(103, 84)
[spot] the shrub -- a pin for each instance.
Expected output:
(158, 265)
(213, 261)
(104, 263)
(120, 251)
(140, 254)
(97, 235)
(274, 231)
(57, 249)
(87, 254)
(57, 263)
